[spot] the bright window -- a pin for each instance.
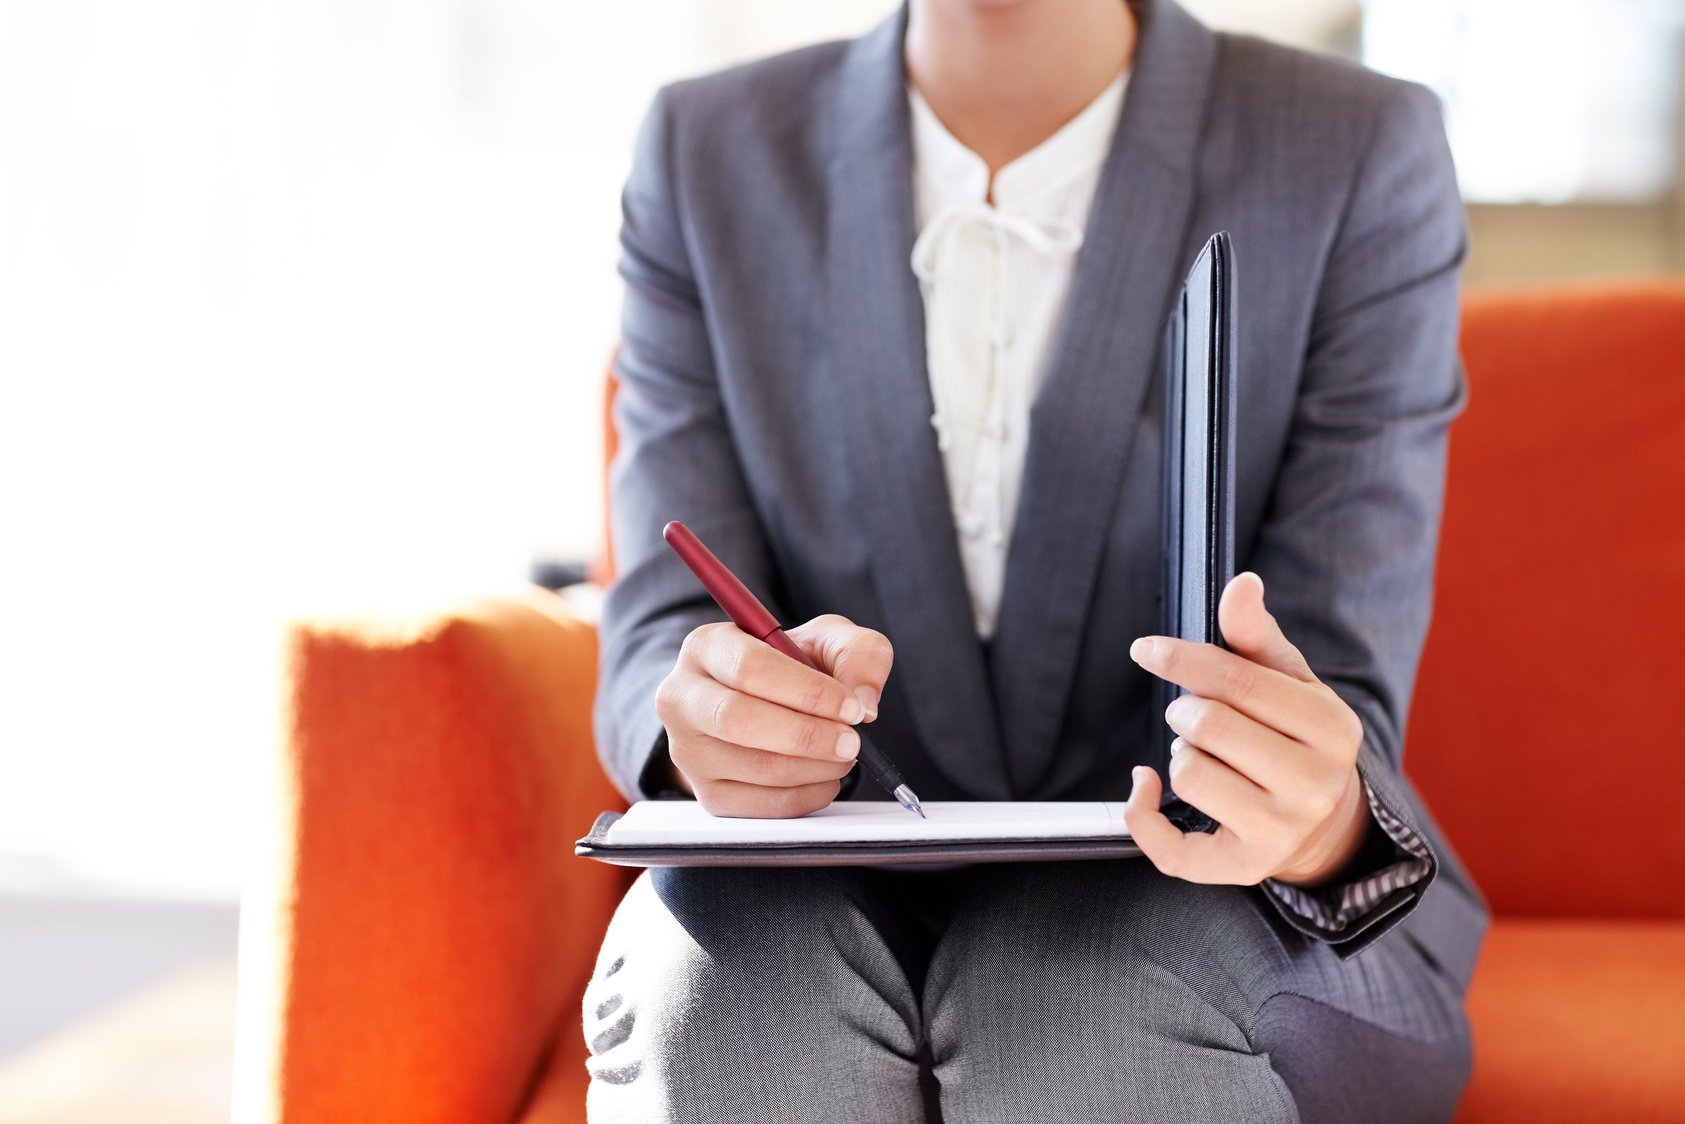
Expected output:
(1546, 100)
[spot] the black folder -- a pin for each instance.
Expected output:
(1198, 561)
(1199, 470)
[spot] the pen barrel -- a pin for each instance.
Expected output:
(777, 639)
(743, 607)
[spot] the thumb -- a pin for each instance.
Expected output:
(1251, 631)
(858, 658)
(1159, 839)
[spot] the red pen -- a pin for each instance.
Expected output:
(748, 614)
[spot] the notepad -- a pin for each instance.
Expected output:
(860, 833)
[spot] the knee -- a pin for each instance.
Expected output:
(1077, 910)
(1194, 929)
(698, 959)
(1107, 987)
(715, 909)
(1115, 941)
(746, 926)
(686, 953)
(682, 933)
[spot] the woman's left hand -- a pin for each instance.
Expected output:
(1265, 749)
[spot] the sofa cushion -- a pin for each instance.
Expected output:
(1578, 1020)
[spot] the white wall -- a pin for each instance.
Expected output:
(301, 302)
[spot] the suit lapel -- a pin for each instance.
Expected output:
(899, 488)
(1103, 362)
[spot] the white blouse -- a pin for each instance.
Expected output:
(994, 278)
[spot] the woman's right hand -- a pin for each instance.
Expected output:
(753, 733)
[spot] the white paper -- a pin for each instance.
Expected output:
(680, 823)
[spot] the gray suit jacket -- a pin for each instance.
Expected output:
(773, 395)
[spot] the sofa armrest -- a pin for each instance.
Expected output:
(416, 946)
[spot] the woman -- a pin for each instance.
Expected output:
(892, 322)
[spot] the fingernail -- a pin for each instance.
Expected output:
(1137, 775)
(853, 710)
(1143, 650)
(1177, 746)
(868, 697)
(848, 745)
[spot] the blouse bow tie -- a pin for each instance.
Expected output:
(1050, 236)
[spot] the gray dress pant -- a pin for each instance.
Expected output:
(1092, 991)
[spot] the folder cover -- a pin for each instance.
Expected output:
(1199, 470)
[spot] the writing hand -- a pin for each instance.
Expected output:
(1264, 748)
(753, 733)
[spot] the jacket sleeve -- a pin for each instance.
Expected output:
(1347, 544)
(675, 460)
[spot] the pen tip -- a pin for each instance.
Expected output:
(909, 800)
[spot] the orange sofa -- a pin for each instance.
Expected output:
(416, 945)
(1548, 729)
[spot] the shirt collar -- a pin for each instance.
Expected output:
(958, 174)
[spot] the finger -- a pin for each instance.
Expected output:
(1250, 629)
(756, 802)
(1262, 755)
(1191, 856)
(703, 759)
(729, 715)
(858, 658)
(731, 656)
(1300, 710)
(1215, 789)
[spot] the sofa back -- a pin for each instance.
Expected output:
(1548, 729)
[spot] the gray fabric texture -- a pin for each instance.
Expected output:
(772, 394)
(1072, 992)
